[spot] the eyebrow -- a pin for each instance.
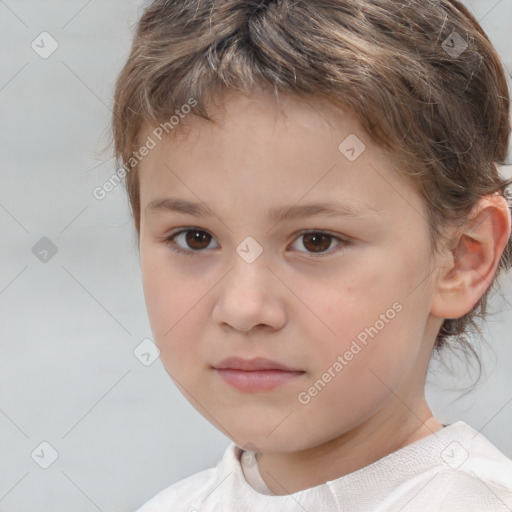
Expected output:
(286, 212)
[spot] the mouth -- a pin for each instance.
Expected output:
(254, 375)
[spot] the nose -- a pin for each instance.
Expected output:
(241, 329)
(250, 295)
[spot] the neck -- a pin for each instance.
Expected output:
(392, 428)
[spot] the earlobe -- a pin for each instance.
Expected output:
(468, 268)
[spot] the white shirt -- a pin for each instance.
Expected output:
(455, 469)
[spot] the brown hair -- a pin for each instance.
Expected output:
(421, 76)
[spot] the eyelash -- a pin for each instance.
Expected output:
(169, 241)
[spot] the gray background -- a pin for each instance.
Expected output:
(69, 325)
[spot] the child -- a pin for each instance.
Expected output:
(267, 129)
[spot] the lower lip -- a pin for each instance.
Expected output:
(257, 380)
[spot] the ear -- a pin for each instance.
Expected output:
(468, 267)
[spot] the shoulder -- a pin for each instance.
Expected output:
(472, 473)
(479, 458)
(459, 491)
(191, 491)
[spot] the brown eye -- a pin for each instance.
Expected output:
(317, 242)
(191, 241)
(196, 239)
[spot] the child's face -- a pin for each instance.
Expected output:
(299, 309)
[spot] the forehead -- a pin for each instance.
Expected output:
(264, 149)
(263, 112)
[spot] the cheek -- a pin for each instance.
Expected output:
(369, 320)
(346, 303)
(374, 351)
(351, 380)
(173, 298)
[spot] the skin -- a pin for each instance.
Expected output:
(292, 306)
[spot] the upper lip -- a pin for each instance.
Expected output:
(258, 363)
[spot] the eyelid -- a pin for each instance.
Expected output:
(166, 239)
